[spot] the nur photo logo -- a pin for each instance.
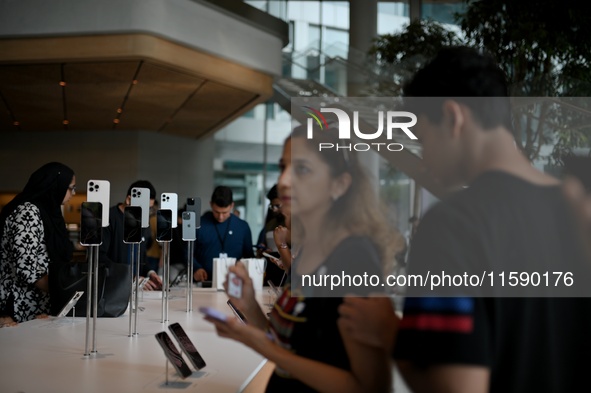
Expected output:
(387, 121)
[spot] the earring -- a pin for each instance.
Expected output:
(335, 198)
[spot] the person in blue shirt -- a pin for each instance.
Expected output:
(221, 232)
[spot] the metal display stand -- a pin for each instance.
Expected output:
(165, 279)
(135, 277)
(91, 298)
(191, 246)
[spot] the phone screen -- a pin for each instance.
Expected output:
(173, 354)
(187, 345)
(163, 225)
(91, 229)
(132, 225)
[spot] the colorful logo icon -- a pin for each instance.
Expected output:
(316, 115)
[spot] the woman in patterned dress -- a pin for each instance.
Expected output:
(32, 235)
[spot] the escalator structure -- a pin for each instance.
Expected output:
(408, 160)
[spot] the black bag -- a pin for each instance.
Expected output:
(114, 288)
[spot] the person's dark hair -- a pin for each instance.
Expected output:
(46, 189)
(273, 194)
(143, 184)
(460, 73)
(222, 196)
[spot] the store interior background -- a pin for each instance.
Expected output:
(317, 41)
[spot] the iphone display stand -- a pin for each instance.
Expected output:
(135, 277)
(91, 301)
(191, 222)
(165, 279)
(191, 246)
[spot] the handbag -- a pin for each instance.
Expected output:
(114, 288)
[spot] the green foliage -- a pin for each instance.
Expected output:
(399, 56)
(542, 45)
(538, 44)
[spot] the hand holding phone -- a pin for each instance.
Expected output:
(273, 259)
(214, 314)
(234, 285)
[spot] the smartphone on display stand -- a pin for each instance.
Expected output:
(170, 201)
(187, 345)
(236, 311)
(91, 229)
(189, 226)
(141, 197)
(100, 191)
(164, 225)
(132, 225)
(71, 304)
(173, 354)
(194, 205)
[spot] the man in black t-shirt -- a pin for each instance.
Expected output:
(511, 217)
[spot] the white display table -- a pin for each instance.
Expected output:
(47, 355)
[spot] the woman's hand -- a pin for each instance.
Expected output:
(247, 301)
(248, 335)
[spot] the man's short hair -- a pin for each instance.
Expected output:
(143, 184)
(461, 72)
(222, 196)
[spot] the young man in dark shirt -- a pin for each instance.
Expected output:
(221, 232)
(502, 215)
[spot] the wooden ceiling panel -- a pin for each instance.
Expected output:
(95, 91)
(213, 103)
(34, 95)
(157, 96)
(180, 90)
